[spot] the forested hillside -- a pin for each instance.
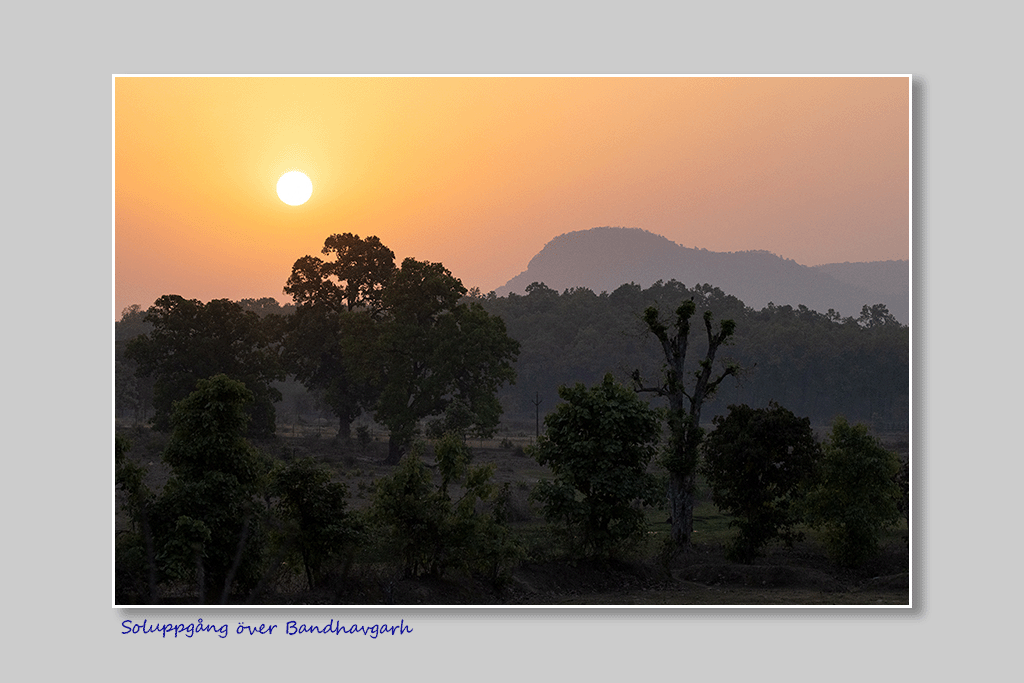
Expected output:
(818, 365)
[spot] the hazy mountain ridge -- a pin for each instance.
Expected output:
(885, 277)
(602, 259)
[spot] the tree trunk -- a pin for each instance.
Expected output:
(309, 572)
(344, 429)
(395, 451)
(200, 577)
(680, 495)
(682, 467)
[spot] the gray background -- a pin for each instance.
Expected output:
(58, 283)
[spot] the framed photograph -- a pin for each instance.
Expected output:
(512, 341)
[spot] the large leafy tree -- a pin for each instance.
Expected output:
(354, 279)
(398, 341)
(685, 403)
(475, 351)
(413, 385)
(190, 341)
(598, 444)
(439, 356)
(757, 462)
(330, 342)
(330, 352)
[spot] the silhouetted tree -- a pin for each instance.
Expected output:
(598, 444)
(876, 316)
(684, 405)
(355, 278)
(410, 348)
(192, 341)
(208, 521)
(757, 463)
(325, 532)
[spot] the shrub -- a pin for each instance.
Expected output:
(133, 556)
(856, 495)
(324, 532)
(598, 445)
(460, 523)
(756, 462)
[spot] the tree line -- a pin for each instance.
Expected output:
(820, 365)
(409, 344)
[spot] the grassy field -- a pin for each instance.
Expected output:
(650, 575)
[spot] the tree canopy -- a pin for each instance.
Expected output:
(354, 279)
(757, 462)
(190, 341)
(818, 365)
(399, 342)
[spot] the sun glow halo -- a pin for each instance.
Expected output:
(294, 188)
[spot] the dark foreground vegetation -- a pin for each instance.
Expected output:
(352, 449)
(543, 571)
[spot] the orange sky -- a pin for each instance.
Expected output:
(480, 173)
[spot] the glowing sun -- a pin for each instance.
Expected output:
(294, 188)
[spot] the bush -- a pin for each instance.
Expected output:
(323, 532)
(856, 495)
(598, 445)
(461, 523)
(208, 523)
(756, 463)
(133, 557)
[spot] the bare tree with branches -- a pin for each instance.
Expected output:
(684, 405)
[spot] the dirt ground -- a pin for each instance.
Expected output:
(573, 584)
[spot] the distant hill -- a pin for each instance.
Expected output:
(884, 277)
(602, 259)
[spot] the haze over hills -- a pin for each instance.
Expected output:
(603, 259)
